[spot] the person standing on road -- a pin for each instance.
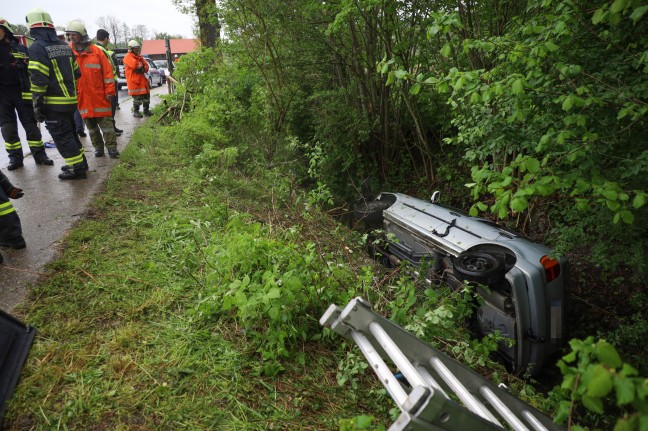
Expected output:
(103, 39)
(96, 90)
(78, 121)
(10, 227)
(54, 72)
(15, 97)
(138, 85)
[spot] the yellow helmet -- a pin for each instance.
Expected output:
(133, 44)
(37, 17)
(77, 27)
(4, 23)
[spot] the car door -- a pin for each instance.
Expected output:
(154, 73)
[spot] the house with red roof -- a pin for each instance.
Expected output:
(156, 49)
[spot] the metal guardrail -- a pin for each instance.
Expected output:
(441, 393)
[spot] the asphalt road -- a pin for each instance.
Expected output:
(51, 206)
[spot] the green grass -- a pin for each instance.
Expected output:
(123, 340)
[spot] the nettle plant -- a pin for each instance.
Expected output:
(275, 286)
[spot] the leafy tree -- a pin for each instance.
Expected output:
(165, 35)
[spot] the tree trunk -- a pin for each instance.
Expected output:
(208, 23)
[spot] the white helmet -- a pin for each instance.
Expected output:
(4, 23)
(133, 44)
(37, 17)
(77, 27)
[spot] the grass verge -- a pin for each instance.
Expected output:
(132, 333)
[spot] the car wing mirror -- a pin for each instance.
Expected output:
(436, 196)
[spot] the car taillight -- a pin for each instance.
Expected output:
(551, 267)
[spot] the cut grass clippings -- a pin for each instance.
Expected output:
(123, 341)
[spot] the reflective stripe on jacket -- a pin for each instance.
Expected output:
(96, 82)
(111, 58)
(53, 73)
(13, 68)
(137, 82)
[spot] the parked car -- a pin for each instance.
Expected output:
(154, 74)
(524, 287)
(121, 76)
(164, 68)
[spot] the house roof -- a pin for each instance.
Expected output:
(178, 46)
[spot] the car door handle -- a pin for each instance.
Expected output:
(447, 231)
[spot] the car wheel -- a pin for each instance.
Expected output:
(150, 82)
(371, 211)
(479, 267)
(160, 82)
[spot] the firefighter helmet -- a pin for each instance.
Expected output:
(37, 17)
(4, 23)
(133, 44)
(77, 27)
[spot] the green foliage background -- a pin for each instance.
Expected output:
(532, 112)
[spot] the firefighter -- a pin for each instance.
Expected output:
(15, 97)
(54, 72)
(138, 86)
(10, 227)
(103, 39)
(96, 90)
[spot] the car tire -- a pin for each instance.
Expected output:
(371, 211)
(479, 267)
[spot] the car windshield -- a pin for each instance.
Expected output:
(160, 63)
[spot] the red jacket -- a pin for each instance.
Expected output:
(96, 82)
(137, 82)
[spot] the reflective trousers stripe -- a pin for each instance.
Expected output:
(6, 208)
(74, 160)
(14, 146)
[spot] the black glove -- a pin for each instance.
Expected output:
(38, 109)
(139, 70)
(15, 193)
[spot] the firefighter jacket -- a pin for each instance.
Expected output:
(14, 77)
(111, 57)
(54, 71)
(96, 82)
(137, 82)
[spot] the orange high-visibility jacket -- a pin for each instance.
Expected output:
(96, 82)
(137, 82)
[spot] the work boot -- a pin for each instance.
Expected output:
(15, 164)
(76, 172)
(15, 243)
(84, 165)
(99, 153)
(1, 260)
(118, 131)
(42, 159)
(113, 153)
(146, 110)
(136, 112)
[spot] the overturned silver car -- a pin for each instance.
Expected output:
(524, 288)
